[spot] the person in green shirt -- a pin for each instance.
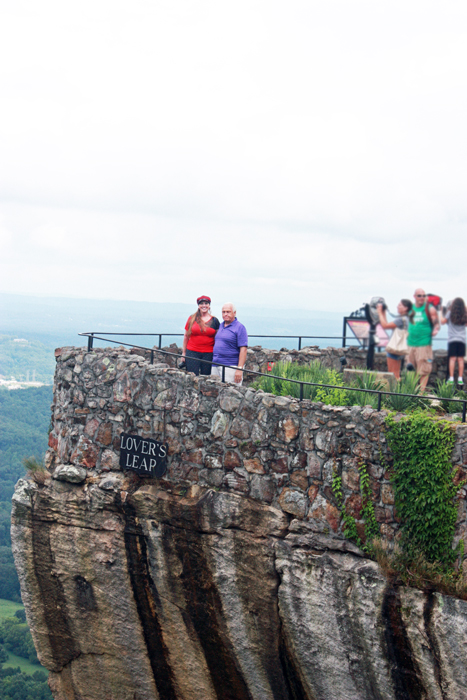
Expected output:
(424, 324)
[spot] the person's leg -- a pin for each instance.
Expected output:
(452, 366)
(411, 358)
(460, 364)
(423, 382)
(230, 377)
(394, 366)
(424, 365)
(205, 367)
(192, 360)
(216, 371)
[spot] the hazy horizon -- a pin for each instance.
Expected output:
(303, 156)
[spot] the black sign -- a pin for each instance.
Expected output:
(142, 455)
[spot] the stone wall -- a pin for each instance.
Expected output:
(276, 450)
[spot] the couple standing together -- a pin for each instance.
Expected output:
(207, 339)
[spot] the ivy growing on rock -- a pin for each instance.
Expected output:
(368, 511)
(423, 485)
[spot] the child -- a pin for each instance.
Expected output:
(456, 318)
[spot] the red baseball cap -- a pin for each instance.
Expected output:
(203, 298)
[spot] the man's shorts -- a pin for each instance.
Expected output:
(216, 371)
(422, 359)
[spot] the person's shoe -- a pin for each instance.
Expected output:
(460, 382)
(450, 380)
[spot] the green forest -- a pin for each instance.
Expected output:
(21, 676)
(24, 424)
(18, 357)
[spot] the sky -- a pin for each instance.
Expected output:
(301, 155)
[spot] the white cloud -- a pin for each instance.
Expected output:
(314, 151)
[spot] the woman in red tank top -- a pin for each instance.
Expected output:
(198, 341)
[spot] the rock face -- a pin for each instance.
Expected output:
(133, 592)
(228, 579)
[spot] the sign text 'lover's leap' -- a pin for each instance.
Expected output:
(144, 456)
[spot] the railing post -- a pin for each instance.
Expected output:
(464, 405)
(90, 341)
(301, 391)
(223, 373)
(344, 333)
(152, 357)
(160, 341)
(299, 342)
(379, 401)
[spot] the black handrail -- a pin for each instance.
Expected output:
(176, 335)
(93, 336)
(344, 337)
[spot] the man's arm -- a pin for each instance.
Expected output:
(241, 363)
(434, 319)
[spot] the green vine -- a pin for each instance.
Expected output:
(368, 511)
(423, 486)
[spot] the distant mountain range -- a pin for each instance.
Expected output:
(56, 321)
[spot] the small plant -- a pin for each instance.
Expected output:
(408, 384)
(448, 391)
(36, 470)
(350, 527)
(314, 373)
(333, 397)
(367, 380)
(416, 571)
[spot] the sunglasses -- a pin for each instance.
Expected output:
(420, 295)
(204, 303)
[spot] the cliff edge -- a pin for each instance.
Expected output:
(229, 578)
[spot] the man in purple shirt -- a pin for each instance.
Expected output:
(230, 346)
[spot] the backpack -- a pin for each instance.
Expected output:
(434, 300)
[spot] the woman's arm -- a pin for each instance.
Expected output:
(184, 344)
(382, 318)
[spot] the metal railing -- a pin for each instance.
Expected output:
(344, 338)
(93, 336)
(180, 335)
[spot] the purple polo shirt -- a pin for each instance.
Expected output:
(228, 342)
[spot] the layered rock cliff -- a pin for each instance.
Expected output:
(228, 578)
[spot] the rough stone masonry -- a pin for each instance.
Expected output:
(230, 576)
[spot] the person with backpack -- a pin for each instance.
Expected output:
(423, 326)
(456, 318)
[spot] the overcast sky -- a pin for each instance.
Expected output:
(300, 154)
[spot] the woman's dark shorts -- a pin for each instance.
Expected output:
(456, 349)
(194, 362)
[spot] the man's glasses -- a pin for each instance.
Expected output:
(420, 295)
